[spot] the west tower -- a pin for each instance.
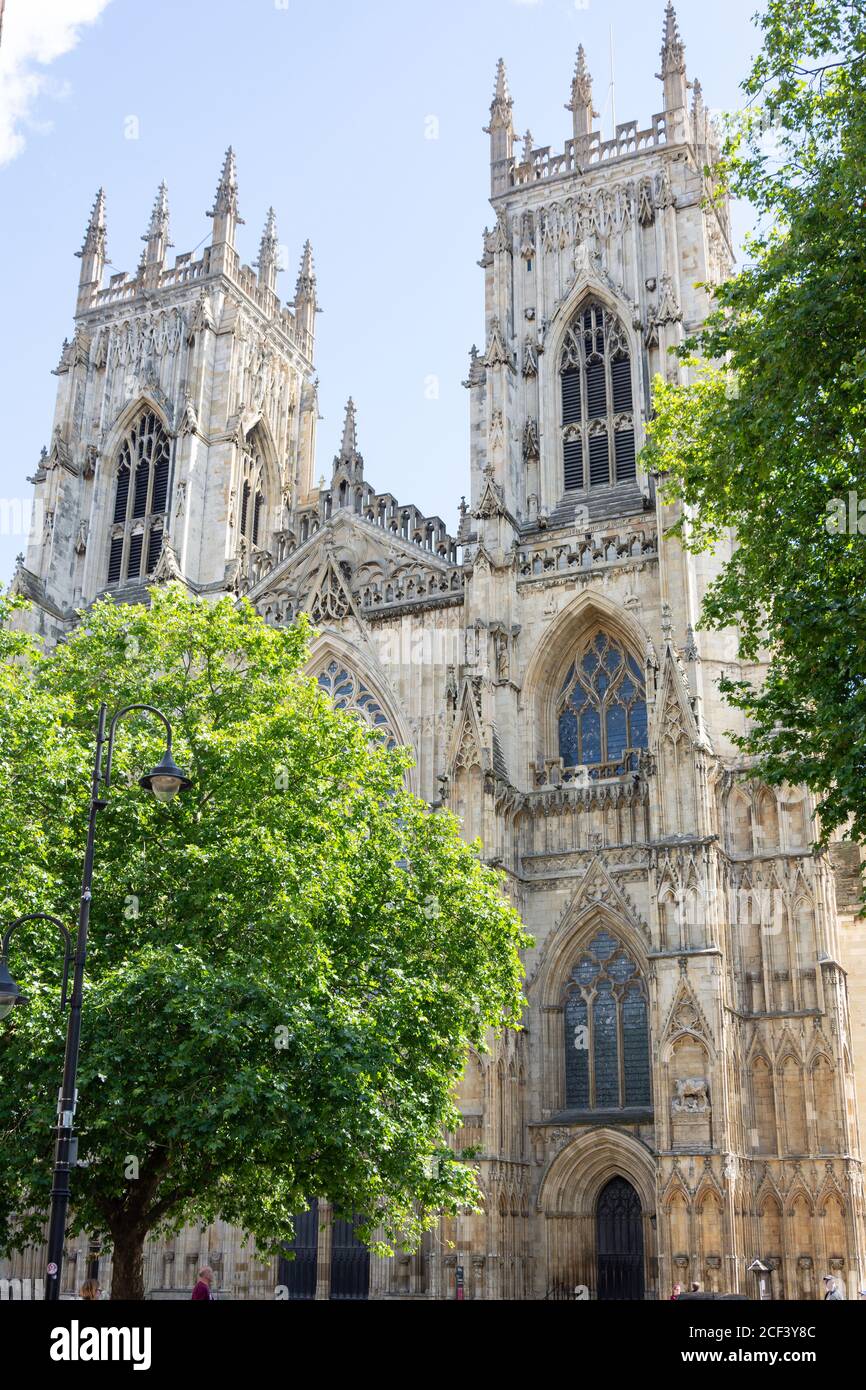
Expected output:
(184, 429)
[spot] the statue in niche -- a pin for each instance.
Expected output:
(501, 648)
(692, 1095)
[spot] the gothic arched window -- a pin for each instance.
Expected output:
(598, 439)
(602, 710)
(607, 1058)
(140, 500)
(348, 692)
(252, 499)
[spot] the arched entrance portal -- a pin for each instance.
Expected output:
(599, 1200)
(619, 1241)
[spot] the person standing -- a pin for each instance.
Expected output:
(90, 1291)
(832, 1292)
(675, 1292)
(202, 1293)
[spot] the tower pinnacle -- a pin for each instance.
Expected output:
(501, 131)
(158, 225)
(581, 97)
(225, 209)
(305, 295)
(156, 236)
(305, 286)
(349, 460)
(268, 261)
(92, 253)
(673, 49)
(501, 105)
(673, 66)
(349, 446)
(94, 236)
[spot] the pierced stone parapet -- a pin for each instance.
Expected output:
(605, 549)
(590, 150)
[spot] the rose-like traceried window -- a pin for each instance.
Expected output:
(602, 713)
(607, 1058)
(350, 693)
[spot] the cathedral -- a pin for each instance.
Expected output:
(682, 1103)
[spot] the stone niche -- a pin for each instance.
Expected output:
(691, 1111)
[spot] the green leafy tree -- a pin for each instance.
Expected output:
(286, 966)
(770, 441)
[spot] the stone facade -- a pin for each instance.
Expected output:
(683, 1099)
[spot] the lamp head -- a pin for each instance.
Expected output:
(166, 779)
(10, 994)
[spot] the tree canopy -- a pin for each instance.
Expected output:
(769, 438)
(287, 964)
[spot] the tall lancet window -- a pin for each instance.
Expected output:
(253, 506)
(140, 501)
(607, 1056)
(598, 439)
(601, 712)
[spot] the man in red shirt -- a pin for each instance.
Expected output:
(202, 1291)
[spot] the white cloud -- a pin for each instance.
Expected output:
(35, 34)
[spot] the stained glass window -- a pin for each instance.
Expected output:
(602, 709)
(607, 1065)
(348, 692)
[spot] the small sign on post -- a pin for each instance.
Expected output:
(760, 1271)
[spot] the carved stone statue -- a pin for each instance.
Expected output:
(692, 1095)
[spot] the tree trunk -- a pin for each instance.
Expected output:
(127, 1264)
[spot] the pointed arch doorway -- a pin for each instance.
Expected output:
(619, 1242)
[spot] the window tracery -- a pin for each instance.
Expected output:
(607, 1063)
(140, 500)
(602, 713)
(598, 433)
(252, 502)
(348, 692)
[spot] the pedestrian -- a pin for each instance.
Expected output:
(696, 1288)
(675, 1292)
(832, 1292)
(202, 1292)
(90, 1291)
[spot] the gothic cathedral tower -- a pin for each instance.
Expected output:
(683, 1099)
(184, 430)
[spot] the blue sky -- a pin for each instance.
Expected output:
(329, 108)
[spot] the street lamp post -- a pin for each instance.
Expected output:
(165, 781)
(10, 994)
